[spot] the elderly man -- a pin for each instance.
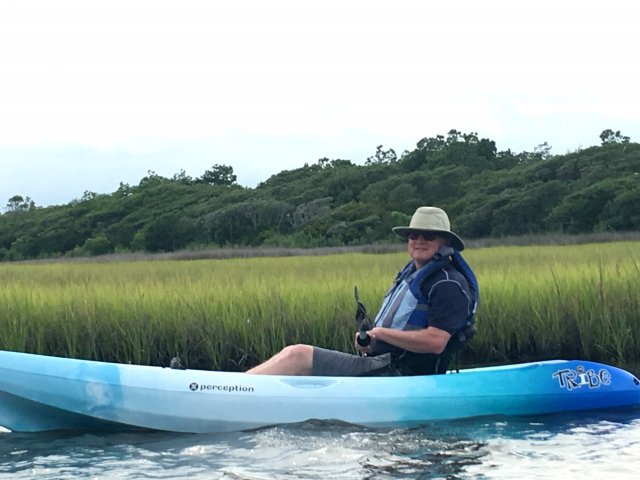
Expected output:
(425, 315)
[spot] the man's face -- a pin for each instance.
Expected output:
(422, 246)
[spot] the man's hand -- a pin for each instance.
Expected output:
(365, 348)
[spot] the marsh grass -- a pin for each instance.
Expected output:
(547, 302)
(580, 301)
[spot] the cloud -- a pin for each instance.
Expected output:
(121, 87)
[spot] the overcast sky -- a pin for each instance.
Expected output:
(94, 93)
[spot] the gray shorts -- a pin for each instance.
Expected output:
(331, 363)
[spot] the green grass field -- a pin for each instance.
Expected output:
(580, 301)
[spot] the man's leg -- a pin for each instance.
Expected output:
(291, 360)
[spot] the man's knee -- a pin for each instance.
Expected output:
(299, 354)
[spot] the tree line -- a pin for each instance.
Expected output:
(335, 202)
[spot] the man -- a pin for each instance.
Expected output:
(425, 315)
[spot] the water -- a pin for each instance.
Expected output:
(586, 446)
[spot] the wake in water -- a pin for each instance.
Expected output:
(599, 446)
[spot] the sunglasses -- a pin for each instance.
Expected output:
(427, 236)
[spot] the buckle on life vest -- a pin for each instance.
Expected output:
(467, 333)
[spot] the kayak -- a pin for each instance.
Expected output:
(39, 393)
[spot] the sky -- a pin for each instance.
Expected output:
(95, 93)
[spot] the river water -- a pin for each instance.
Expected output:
(593, 445)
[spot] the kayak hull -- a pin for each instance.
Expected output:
(39, 393)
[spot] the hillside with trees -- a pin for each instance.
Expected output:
(488, 193)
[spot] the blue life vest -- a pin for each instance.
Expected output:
(405, 307)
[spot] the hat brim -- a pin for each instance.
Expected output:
(456, 241)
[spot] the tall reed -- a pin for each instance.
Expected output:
(536, 302)
(549, 302)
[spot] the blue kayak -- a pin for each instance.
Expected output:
(39, 393)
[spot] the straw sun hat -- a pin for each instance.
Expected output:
(431, 219)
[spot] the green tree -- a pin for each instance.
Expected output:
(182, 177)
(99, 245)
(248, 222)
(580, 211)
(527, 208)
(608, 136)
(333, 202)
(622, 213)
(167, 233)
(18, 203)
(382, 157)
(219, 175)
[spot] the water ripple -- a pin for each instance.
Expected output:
(599, 446)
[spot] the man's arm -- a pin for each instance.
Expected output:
(426, 340)
(448, 313)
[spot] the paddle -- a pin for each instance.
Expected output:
(363, 320)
